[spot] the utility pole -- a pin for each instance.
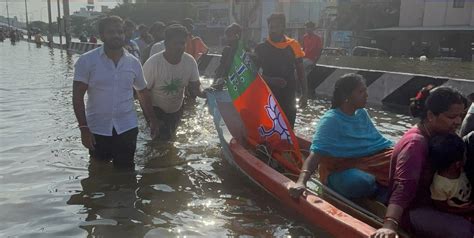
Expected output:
(244, 18)
(8, 14)
(66, 22)
(50, 25)
(27, 24)
(59, 25)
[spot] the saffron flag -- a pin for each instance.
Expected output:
(260, 112)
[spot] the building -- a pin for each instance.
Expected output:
(13, 21)
(431, 28)
(88, 14)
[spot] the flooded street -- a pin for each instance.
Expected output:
(181, 188)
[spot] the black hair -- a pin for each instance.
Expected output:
(172, 22)
(471, 97)
(107, 21)
(142, 27)
(278, 16)
(310, 24)
(175, 31)
(436, 100)
(157, 26)
(129, 23)
(344, 87)
(445, 150)
(188, 23)
(233, 28)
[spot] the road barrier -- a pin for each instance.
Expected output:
(79, 47)
(392, 89)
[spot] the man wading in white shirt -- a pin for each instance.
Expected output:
(168, 73)
(109, 124)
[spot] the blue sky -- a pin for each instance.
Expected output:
(38, 9)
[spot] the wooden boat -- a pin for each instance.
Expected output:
(326, 210)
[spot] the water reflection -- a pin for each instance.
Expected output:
(109, 197)
(49, 188)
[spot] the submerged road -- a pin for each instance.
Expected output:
(182, 188)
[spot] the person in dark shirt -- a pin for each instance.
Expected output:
(157, 31)
(232, 37)
(279, 56)
(93, 39)
(83, 38)
(129, 28)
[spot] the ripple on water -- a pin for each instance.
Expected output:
(183, 187)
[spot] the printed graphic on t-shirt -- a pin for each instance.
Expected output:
(172, 87)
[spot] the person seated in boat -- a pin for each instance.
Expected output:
(450, 189)
(410, 206)
(352, 155)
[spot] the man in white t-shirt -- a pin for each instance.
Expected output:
(168, 74)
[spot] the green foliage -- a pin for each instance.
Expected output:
(42, 26)
(367, 14)
(81, 25)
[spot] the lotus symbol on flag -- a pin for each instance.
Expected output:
(279, 125)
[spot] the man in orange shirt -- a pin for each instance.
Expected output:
(194, 44)
(312, 46)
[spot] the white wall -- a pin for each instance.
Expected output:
(435, 13)
(411, 13)
(459, 16)
(472, 15)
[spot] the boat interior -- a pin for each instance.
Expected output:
(229, 126)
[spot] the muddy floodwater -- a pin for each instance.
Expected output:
(182, 188)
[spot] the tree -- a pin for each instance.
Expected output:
(367, 14)
(39, 25)
(80, 25)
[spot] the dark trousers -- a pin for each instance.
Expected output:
(120, 149)
(286, 97)
(168, 122)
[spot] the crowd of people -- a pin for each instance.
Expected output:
(92, 39)
(14, 35)
(424, 179)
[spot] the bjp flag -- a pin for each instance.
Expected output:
(260, 112)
